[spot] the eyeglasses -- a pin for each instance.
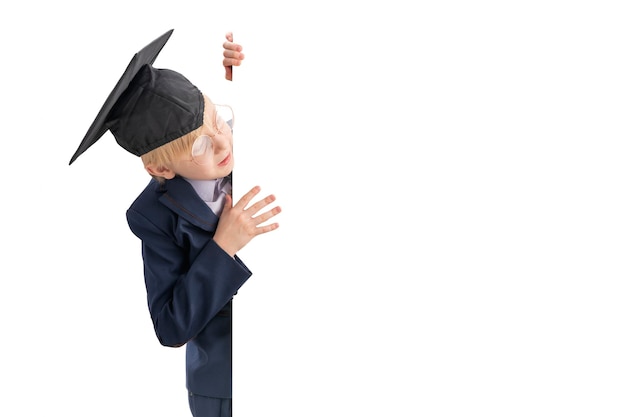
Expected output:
(221, 123)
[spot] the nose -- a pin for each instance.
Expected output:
(221, 141)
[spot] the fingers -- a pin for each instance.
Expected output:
(256, 207)
(268, 228)
(228, 62)
(245, 200)
(230, 45)
(232, 48)
(262, 218)
(232, 56)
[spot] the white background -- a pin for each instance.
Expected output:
(452, 178)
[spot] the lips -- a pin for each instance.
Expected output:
(225, 160)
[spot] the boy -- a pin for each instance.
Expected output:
(189, 229)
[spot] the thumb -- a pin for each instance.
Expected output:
(228, 202)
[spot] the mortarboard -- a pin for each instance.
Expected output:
(148, 107)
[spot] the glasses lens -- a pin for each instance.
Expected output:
(200, 149)
(221, 125)
(224, 118)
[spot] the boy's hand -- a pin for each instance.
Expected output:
(232, 55)
(237, 225)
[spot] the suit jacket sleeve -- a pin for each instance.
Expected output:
(189, 278)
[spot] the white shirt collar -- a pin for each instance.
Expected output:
(212, 192)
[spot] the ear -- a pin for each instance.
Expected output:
(160, 171)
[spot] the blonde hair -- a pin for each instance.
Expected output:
(164, 155)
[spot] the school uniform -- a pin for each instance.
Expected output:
(190, 283)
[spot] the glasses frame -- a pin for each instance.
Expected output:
(215, 128)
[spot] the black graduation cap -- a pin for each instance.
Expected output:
(148, 107)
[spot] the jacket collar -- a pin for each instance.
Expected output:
(179, 196)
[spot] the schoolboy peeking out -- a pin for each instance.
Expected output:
(202, 157)
(190, 231)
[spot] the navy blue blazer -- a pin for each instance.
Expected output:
(190, 281)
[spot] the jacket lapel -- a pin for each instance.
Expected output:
(180, 197)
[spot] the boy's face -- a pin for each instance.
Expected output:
(212, 155)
